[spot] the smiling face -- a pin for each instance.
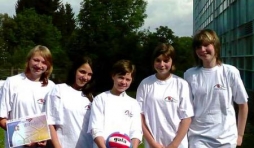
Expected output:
(207, 54)
(83, 76)
(206, 48)
(121, 83)
(37, 66)
(162, 65)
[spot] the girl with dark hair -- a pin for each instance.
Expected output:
(68, 107)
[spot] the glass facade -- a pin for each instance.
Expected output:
(233, 20)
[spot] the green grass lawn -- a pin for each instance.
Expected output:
(1, 138)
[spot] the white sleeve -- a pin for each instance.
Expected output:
(186, 106)
(96, 121)
(140, 95)
(240, 95)
(54, 107)
(136, 125)
(5, 99)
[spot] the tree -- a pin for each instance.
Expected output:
(104, 27)
(184, 54)
(20, 36)
(43, 7)
(105, 22)
(64, 20)
(62, 15)
(3, 45)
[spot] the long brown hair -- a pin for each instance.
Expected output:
(88, 88)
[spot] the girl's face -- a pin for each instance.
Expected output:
(206, 53)
(83, 75)
(121, 83)
(162, 65)
(37, 65)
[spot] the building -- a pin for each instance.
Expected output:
(233, 20)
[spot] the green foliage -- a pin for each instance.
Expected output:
(104, 23)
(64, 20)
(26, 30)
(106, 30)
(42, 7)
(39, 30)
(184, 52)
(62, 15)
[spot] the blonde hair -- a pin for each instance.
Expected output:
(46, 54)
(206, 37)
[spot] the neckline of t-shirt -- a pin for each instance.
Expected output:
(164, 81)
(210, 69)
(121, 95)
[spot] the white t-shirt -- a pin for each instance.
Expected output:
(164, 104)
(69, 109)
(214, 90)
(1, 85)
(22, 97)
(111, 113)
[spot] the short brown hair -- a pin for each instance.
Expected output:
(168, 51)
(122, 67)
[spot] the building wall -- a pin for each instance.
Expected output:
(233, 20)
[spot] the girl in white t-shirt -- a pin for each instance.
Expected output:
(114, 111)
(68, 107)
(23, 94)
(165, 103)
(215, 87)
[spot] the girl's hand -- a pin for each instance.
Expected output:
(239, 140)
(173, 145)
(156, 145)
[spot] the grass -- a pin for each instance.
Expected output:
(1, 138)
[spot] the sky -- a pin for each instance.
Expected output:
(176, 14)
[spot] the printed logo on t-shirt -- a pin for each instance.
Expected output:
(219, 87)
(128, 113)
(88, 107)
(40, 101)
(29, 119)
(170, 99)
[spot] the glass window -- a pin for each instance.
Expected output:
(241, 63)
(242, 12)
(249, 63)
(250, 15)
(225, 5)
(248, 80)
(249, 47)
